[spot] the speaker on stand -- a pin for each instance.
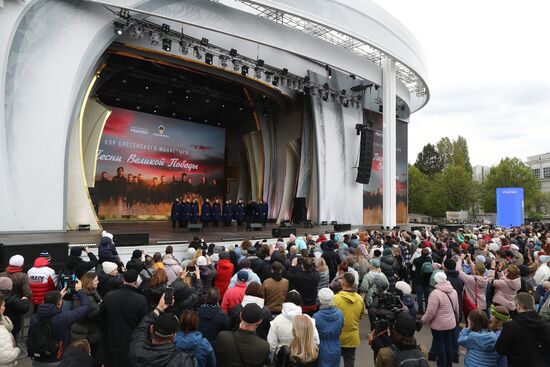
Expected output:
(299, 211)
(365, 153)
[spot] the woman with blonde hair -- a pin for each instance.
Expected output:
(303, 351)
(324, 276)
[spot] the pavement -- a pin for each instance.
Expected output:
(364, 355)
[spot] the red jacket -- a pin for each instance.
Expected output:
(233, 296)
(42, 279)
(224, 270)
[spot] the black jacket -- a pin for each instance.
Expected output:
(390, 268)
(15, 308)
(90, 327)
(230, 346)
(185, 298)
(306, 282)
(333, 260)
(75, 265)
(76, 358)
(135, 264)
(212, 320)
(107, 283)
(458, 285)
(525, 341)
(121, 312)
(262, 330)
(418, 277)
(144, 353)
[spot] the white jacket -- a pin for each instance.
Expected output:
(542, 274)
(172, 268)
(280, 332)
(8, 351)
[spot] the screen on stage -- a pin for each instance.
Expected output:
(373, 192)
(145, 161)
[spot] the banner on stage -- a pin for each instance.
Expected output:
(145, 161)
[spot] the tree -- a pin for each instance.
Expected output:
(429, 161)
(539, 204)
(510, 172)
(445, 149)
(455, 188)
(461, 157)
(419, 189)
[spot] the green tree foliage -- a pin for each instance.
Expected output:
(510, 172)
(539, 204)
(419, 189)
(457, 187)
(445, 149)
(461, 157)
(429, 161)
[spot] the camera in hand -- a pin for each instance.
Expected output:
(168, 295)
(69, 283)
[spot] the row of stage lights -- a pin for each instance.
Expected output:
(164, 36)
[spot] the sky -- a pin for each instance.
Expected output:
(488, 75)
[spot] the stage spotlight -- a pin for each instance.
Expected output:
(208, 58)
(233, 52)
(244, 70)
(260, 63)
(119, 28)
(307, 81)
(284, 72)
(197, 52)
(137, 31)
(258, 72)
(167, 44)
(343, 92)
(223, 60)
(184, 47)
(204, 42)
(275, 81)
(326, 86)
(345, 102)
(268, 76)
(325, 95)
(334, 96)
(313, 91)
(236, 64)
(155, 38)
(165, 28)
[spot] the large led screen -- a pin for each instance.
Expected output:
(145, 161)
(373, 192)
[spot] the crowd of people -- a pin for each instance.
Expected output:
(296, 303)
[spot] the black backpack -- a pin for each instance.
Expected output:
(40, 343)
(408, 357)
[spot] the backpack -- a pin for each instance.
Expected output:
(408, 357)
(426, 268)
(40, 344)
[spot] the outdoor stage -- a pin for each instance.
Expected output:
(158, 231)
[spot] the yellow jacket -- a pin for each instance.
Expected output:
(352, 306)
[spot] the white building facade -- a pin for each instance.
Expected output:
(540, 164)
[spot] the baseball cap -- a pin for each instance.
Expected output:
(251, 313)
(242, 276)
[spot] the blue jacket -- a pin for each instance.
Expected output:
(480, 346)
(62, 318)
(198, 346)
(175, 212)
(107, 251)
(205, 212)
(329, 323)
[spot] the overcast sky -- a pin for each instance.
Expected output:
(489, 75)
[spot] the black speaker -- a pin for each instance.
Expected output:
(342, 227)
(283, 232)
(365, 155)
(256, 226)
(194, 227)
(299, 211)
(131, 239)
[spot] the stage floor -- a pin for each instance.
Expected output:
(158, 231)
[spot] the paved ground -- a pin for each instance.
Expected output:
(364, 355)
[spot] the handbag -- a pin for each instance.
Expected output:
(468, 305)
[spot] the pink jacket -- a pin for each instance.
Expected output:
(440, 313)
(505, 291)
(470, 288)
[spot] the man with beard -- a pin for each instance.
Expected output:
(119, 185)
(104, 188)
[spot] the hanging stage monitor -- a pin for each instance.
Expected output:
(365, 153)
(510, 206)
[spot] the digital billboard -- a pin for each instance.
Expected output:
(145, 161)
(510, 206)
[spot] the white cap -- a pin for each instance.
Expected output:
(440, 277)
(107, 234)
(109, 267)
(325, 296)
(17, 260)
(201, 261)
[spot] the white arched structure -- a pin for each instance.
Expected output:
(49, 52)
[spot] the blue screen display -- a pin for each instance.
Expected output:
(509, 206)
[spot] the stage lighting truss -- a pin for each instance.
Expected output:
(278, 77)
